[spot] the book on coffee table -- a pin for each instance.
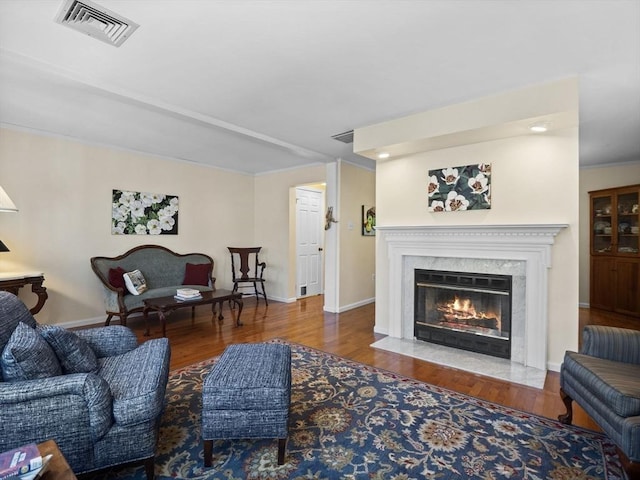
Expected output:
(19, 461)
(38, 472)
(187, 294)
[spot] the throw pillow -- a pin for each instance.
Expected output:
(197, 274)
(116, 278)
(135, 282)
(74, 353)
(27, 356)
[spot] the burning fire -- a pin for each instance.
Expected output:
(462, 310)
(464, 306)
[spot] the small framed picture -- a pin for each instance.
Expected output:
(368, 220)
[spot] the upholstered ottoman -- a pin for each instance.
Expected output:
(247, 395)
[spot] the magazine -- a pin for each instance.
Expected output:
(19, 461)
(38, 472)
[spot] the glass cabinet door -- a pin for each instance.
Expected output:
(627, 222)
(601, 222)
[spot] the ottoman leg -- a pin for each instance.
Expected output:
(282, 442)
(208, 450)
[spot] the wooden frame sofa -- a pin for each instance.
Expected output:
(164, 272)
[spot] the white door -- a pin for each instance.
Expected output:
(309, 241)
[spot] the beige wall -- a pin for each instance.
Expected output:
(534, 180)
(63, 192)
(275, 231)
(274, 208)
(357, 252)
(597, 179)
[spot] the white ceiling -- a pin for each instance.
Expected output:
(261, 85)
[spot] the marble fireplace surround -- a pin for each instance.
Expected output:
(520, 249)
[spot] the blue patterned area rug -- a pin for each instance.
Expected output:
(352, 421)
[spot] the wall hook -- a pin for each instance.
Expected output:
(329, 218)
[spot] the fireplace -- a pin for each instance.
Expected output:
(470, 311)
(522, 251)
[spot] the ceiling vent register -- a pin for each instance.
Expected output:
(96, 21)
(344, 137)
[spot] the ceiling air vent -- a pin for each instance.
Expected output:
(96, 21)
(344, 137)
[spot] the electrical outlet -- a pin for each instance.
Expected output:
(373, 277)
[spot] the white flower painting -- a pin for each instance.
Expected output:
(139, 213)
(455, 189)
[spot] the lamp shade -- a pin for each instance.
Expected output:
(6, 205)
(3, 247)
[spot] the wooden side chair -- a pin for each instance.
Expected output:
(246, 268)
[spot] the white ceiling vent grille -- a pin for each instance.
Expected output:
(344, 137)
(96, 21)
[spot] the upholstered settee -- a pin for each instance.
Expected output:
(604, 379)
(164, 271)
(96, 392)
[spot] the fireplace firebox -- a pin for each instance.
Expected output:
(464, 310)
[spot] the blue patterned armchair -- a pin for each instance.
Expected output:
(100, 395)
(604, 379)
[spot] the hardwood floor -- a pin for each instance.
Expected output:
(349, 335)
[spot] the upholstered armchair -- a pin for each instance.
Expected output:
(96, 392)
(604, 379)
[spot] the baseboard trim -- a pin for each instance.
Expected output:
(87, 322)
(554, 367)
(281, 299)
(351, 306)
(116, 320)
(381, 331)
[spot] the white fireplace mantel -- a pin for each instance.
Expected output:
(530, 243)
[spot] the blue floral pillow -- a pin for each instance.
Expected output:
(74, 353)
(27, 356)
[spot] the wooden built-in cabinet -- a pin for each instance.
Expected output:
(615, 249)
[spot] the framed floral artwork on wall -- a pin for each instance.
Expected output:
(454, 189)
(368, 220)
(140, 213)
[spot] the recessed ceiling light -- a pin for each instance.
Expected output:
(539, 127)
(383, 155)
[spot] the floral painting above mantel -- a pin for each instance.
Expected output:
(454, 189)
(140, 213)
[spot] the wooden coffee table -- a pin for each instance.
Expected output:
(58, 468)
(165, 305)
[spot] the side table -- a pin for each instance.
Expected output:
(14, 281)
(58, 468)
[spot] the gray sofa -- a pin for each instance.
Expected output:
(96, 392)
(604, 379)
(164, 271)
